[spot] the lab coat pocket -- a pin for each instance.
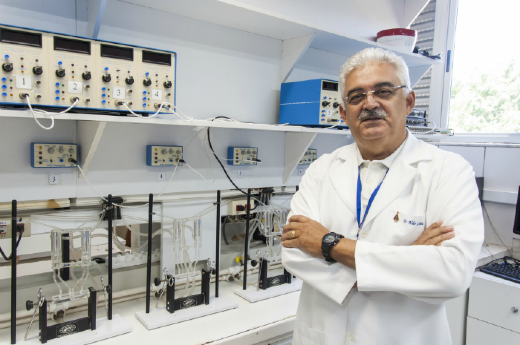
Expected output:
(304, 335)
(405, 228)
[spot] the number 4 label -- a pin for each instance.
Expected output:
(157, 94)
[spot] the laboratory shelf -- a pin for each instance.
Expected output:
(245, 17)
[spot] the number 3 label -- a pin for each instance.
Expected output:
(119, 93)
(75, 87)
(157, 94)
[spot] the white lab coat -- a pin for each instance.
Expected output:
(401, 288)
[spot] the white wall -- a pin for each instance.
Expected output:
(499, 167)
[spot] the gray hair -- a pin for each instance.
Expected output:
(365, 56)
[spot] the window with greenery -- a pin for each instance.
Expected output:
(485, 93)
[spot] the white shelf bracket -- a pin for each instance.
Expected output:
(416, 73)
(89, 136)
(292, 50)
(96, 9)
(295, 146)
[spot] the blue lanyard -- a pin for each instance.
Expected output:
(372, 197)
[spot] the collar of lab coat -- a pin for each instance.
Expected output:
(400, 174)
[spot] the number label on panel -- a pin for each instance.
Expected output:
(75, 87)
(157, 94)
(119, 93)
(23, 82)
(329, 112)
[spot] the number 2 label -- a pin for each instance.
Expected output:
(75, 87)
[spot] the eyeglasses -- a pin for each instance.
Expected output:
(381, 93)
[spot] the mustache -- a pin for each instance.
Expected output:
(377, 112)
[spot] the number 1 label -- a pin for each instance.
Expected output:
(23, 82)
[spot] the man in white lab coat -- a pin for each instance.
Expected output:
(365, 234)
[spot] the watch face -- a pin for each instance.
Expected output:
(329, 238)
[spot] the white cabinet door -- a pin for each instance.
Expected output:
(492, 299)
(483, 333)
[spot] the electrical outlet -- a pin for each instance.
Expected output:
(54, 179)
(240, 173)
(301, 172)
(23, 224)
(236, 207)
(161, 176)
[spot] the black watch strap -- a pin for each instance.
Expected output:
(328, 241)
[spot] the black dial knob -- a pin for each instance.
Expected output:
(86, 75)
(167, 84)
(129, 80)
(325, 103)
(29, 305)
(147, 82)
(106, 77)
(254, 263)
(37, 70)
(335, 105)
(60, 72)
(7, 66)
(157, 281)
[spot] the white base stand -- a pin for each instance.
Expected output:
(159, 317)
(104, 330)
(253, 295)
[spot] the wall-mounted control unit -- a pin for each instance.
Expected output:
(56, 70)
(22, 224)
(309, 157)
(237, 207)
(242, 155)
(47, 155)
(163, 156)
(311, 103)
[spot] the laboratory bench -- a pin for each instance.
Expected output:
(258, 323)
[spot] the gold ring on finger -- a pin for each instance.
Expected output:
(293, 234)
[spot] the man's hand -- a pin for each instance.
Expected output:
(435, 234)
(307, 235)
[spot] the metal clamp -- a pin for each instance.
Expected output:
(157, 282)
(106, 290)
(29, 305)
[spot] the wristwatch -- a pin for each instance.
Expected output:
(328, 241)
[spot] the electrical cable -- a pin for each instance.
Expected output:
(17, 243)
(149, 116)
(43, 112)
(219, 162)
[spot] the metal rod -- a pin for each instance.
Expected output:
(217, 249)
(110, 234)
(149, 255)
(246, 247)
(13, 272)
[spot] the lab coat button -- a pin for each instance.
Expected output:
(351, 336)
(363, 234)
